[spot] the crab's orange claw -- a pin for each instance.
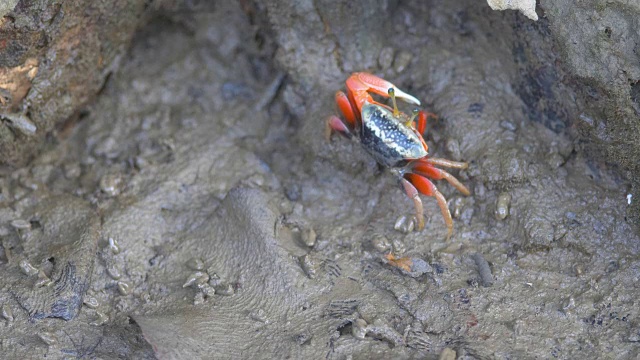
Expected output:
(412, 193)
(335, 124)
(426, 169)
(381, 87)
(426, 187)
(346, 109)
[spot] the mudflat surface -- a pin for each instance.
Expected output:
(196, 210)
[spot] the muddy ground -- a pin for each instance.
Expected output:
(195, 210)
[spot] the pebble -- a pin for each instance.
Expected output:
(359, 329)
(381, 243)
(113, 272)
(197, 278)
(110, 184)
(195, 264)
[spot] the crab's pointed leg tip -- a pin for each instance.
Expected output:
(406, 97)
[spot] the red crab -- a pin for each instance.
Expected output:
(394, 140)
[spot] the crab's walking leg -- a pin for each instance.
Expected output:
(346, 109)
(360, 83)
(447, 163)
(335, 124)
(422, 120)
(413, 194)
(426, 187)
(426, 169)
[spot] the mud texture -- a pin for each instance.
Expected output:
(205, 215)
(54, 58)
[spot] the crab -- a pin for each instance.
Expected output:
(394, 140)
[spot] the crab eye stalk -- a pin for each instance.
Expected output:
(392, 95)
(414, 113)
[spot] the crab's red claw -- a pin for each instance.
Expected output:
(346, 109)
(426, 187)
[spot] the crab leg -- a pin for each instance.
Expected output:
(346, 109)
(359, 84)
(335, 124)
(412, 193)
(426, 187)
(426, 169)
(446, 163)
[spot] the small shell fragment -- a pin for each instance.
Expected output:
(20, 122)
(198, 279)
(43, 280)
(113, 245)
(20, 224)
(309, 237)
(308, 266)
(124, 288)
(101, 320)
(405, 224)
(113, 272)
(48, 338)
(91, 302)
(7, 313)
(27, 268)
(502, 206)
(259, 315)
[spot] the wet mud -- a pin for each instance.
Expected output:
(197, 211)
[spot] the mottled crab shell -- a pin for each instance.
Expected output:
(387, 138)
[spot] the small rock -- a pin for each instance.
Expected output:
(110, 184)
(453, 148)
(359, 329)
(259, 315)
(447, 354)
(381, 243)
(195, 264)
